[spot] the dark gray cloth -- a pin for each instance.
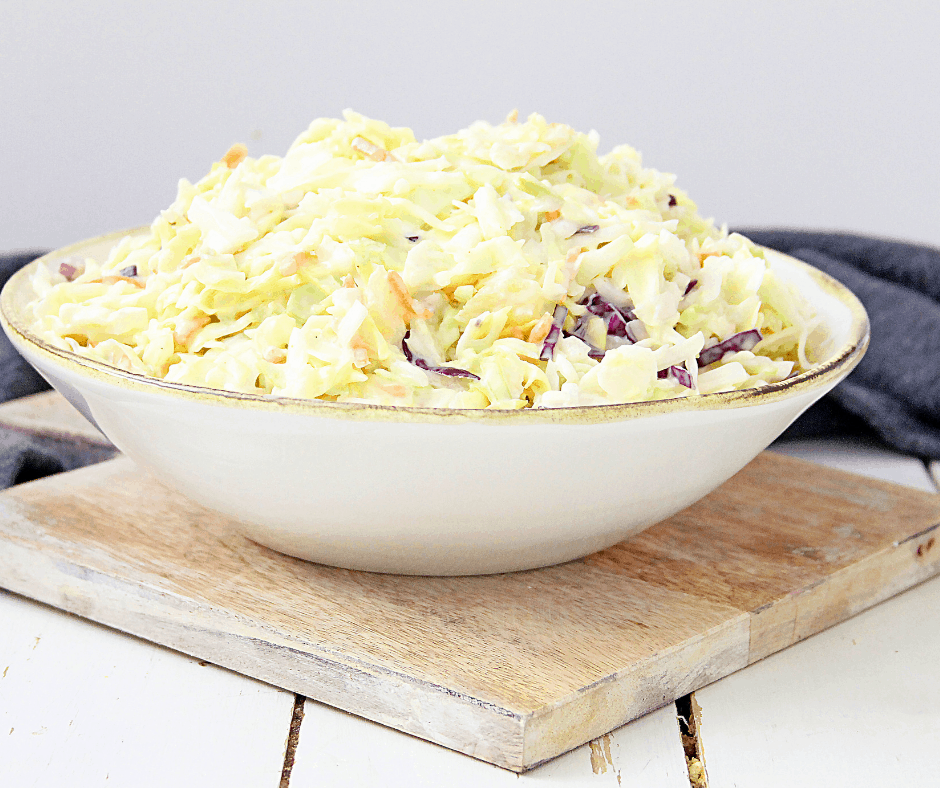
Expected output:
(895, 390)
(24, 457)
(17, 378)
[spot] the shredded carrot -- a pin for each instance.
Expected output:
(405, 301)
(361, 349)
(235, 155)
(513, 117)
(290, 265)
(370, 150)
(400, 290)
(540, 330)
(348, 281)
(275, 355)
(186, 328)
(570, 269)
(551, 216)
(359, 343)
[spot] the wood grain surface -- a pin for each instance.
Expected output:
(513, 669)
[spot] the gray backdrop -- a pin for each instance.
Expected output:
(804, 114)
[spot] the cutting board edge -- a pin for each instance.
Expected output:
(645, 686)
(804, 612)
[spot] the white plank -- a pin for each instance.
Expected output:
(858, 455)
(858, 704)
(341, 751)
(83, 705)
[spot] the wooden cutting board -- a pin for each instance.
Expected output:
(513, 669)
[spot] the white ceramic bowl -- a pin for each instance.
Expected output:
(435, 491)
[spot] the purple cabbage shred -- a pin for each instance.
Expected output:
(672, 201)
(580, 331)
(554, 333)
(615, 319)
(129, 271)
(412, 238)
(69, 271)
(420, 363)
(744, 340)
(689, 286)
(678, 374)
(587, 229)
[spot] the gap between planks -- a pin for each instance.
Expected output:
(293, 739)
(688, 716)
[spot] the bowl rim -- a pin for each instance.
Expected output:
(816, 378)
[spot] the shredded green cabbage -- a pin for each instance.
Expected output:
(300, 276)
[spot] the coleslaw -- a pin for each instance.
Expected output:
(504, 266)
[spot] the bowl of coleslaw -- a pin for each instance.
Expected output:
(488, 352)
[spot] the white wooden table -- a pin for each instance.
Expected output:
(859, 704)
